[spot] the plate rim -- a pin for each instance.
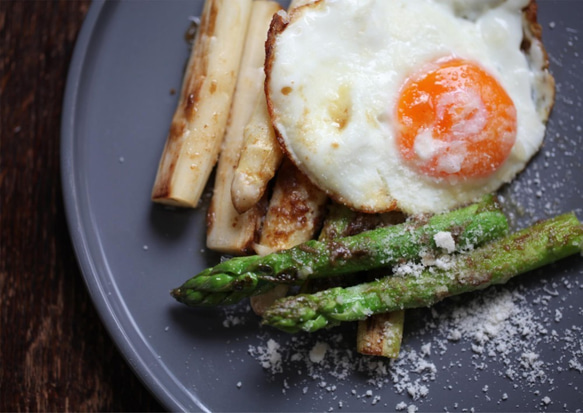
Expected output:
(118, 324)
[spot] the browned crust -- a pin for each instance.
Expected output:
(301, 205)
(532, 35)
(192, 86)
(277, 26)
(532, 27)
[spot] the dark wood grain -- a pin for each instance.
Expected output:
(55, 354)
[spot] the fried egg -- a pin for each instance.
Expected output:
(420, 105)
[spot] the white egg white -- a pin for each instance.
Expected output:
(335, 77)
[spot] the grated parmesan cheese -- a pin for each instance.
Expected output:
(496, 330)
(444, 239)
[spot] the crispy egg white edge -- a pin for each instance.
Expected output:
(340, 163)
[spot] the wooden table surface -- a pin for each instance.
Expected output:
(55, 354)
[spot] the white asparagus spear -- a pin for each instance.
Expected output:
(260, 158)
(228, 231)
(199, 122)
(260, 155)
(295, 212)
(381, 334)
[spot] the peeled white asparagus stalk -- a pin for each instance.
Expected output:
(381, 334)
(200, 119)
(260, 156)
(228, 231)
(295, 212)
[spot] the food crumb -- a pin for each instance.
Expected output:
(239, 385)
(269, 356)
(499, 324)
(444, 239)
(318, 352)
(231, 321)
(401, 406)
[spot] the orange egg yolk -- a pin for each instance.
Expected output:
(455, 120)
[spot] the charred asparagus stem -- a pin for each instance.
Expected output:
(495, 263)
(383, 247)
(336, 223)
(381, 334)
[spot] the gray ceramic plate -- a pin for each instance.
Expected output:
(118, 106)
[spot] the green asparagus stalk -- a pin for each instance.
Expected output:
(495, 263)
(380, 334)
(342, 221)
(336, 223)
(239, 277)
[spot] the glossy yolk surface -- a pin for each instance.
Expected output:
(455, 120)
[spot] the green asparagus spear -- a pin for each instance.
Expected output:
(231, 280)
(495, 263)
(336, 223)
(335, 226)
(342, 221)
(380, 334)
